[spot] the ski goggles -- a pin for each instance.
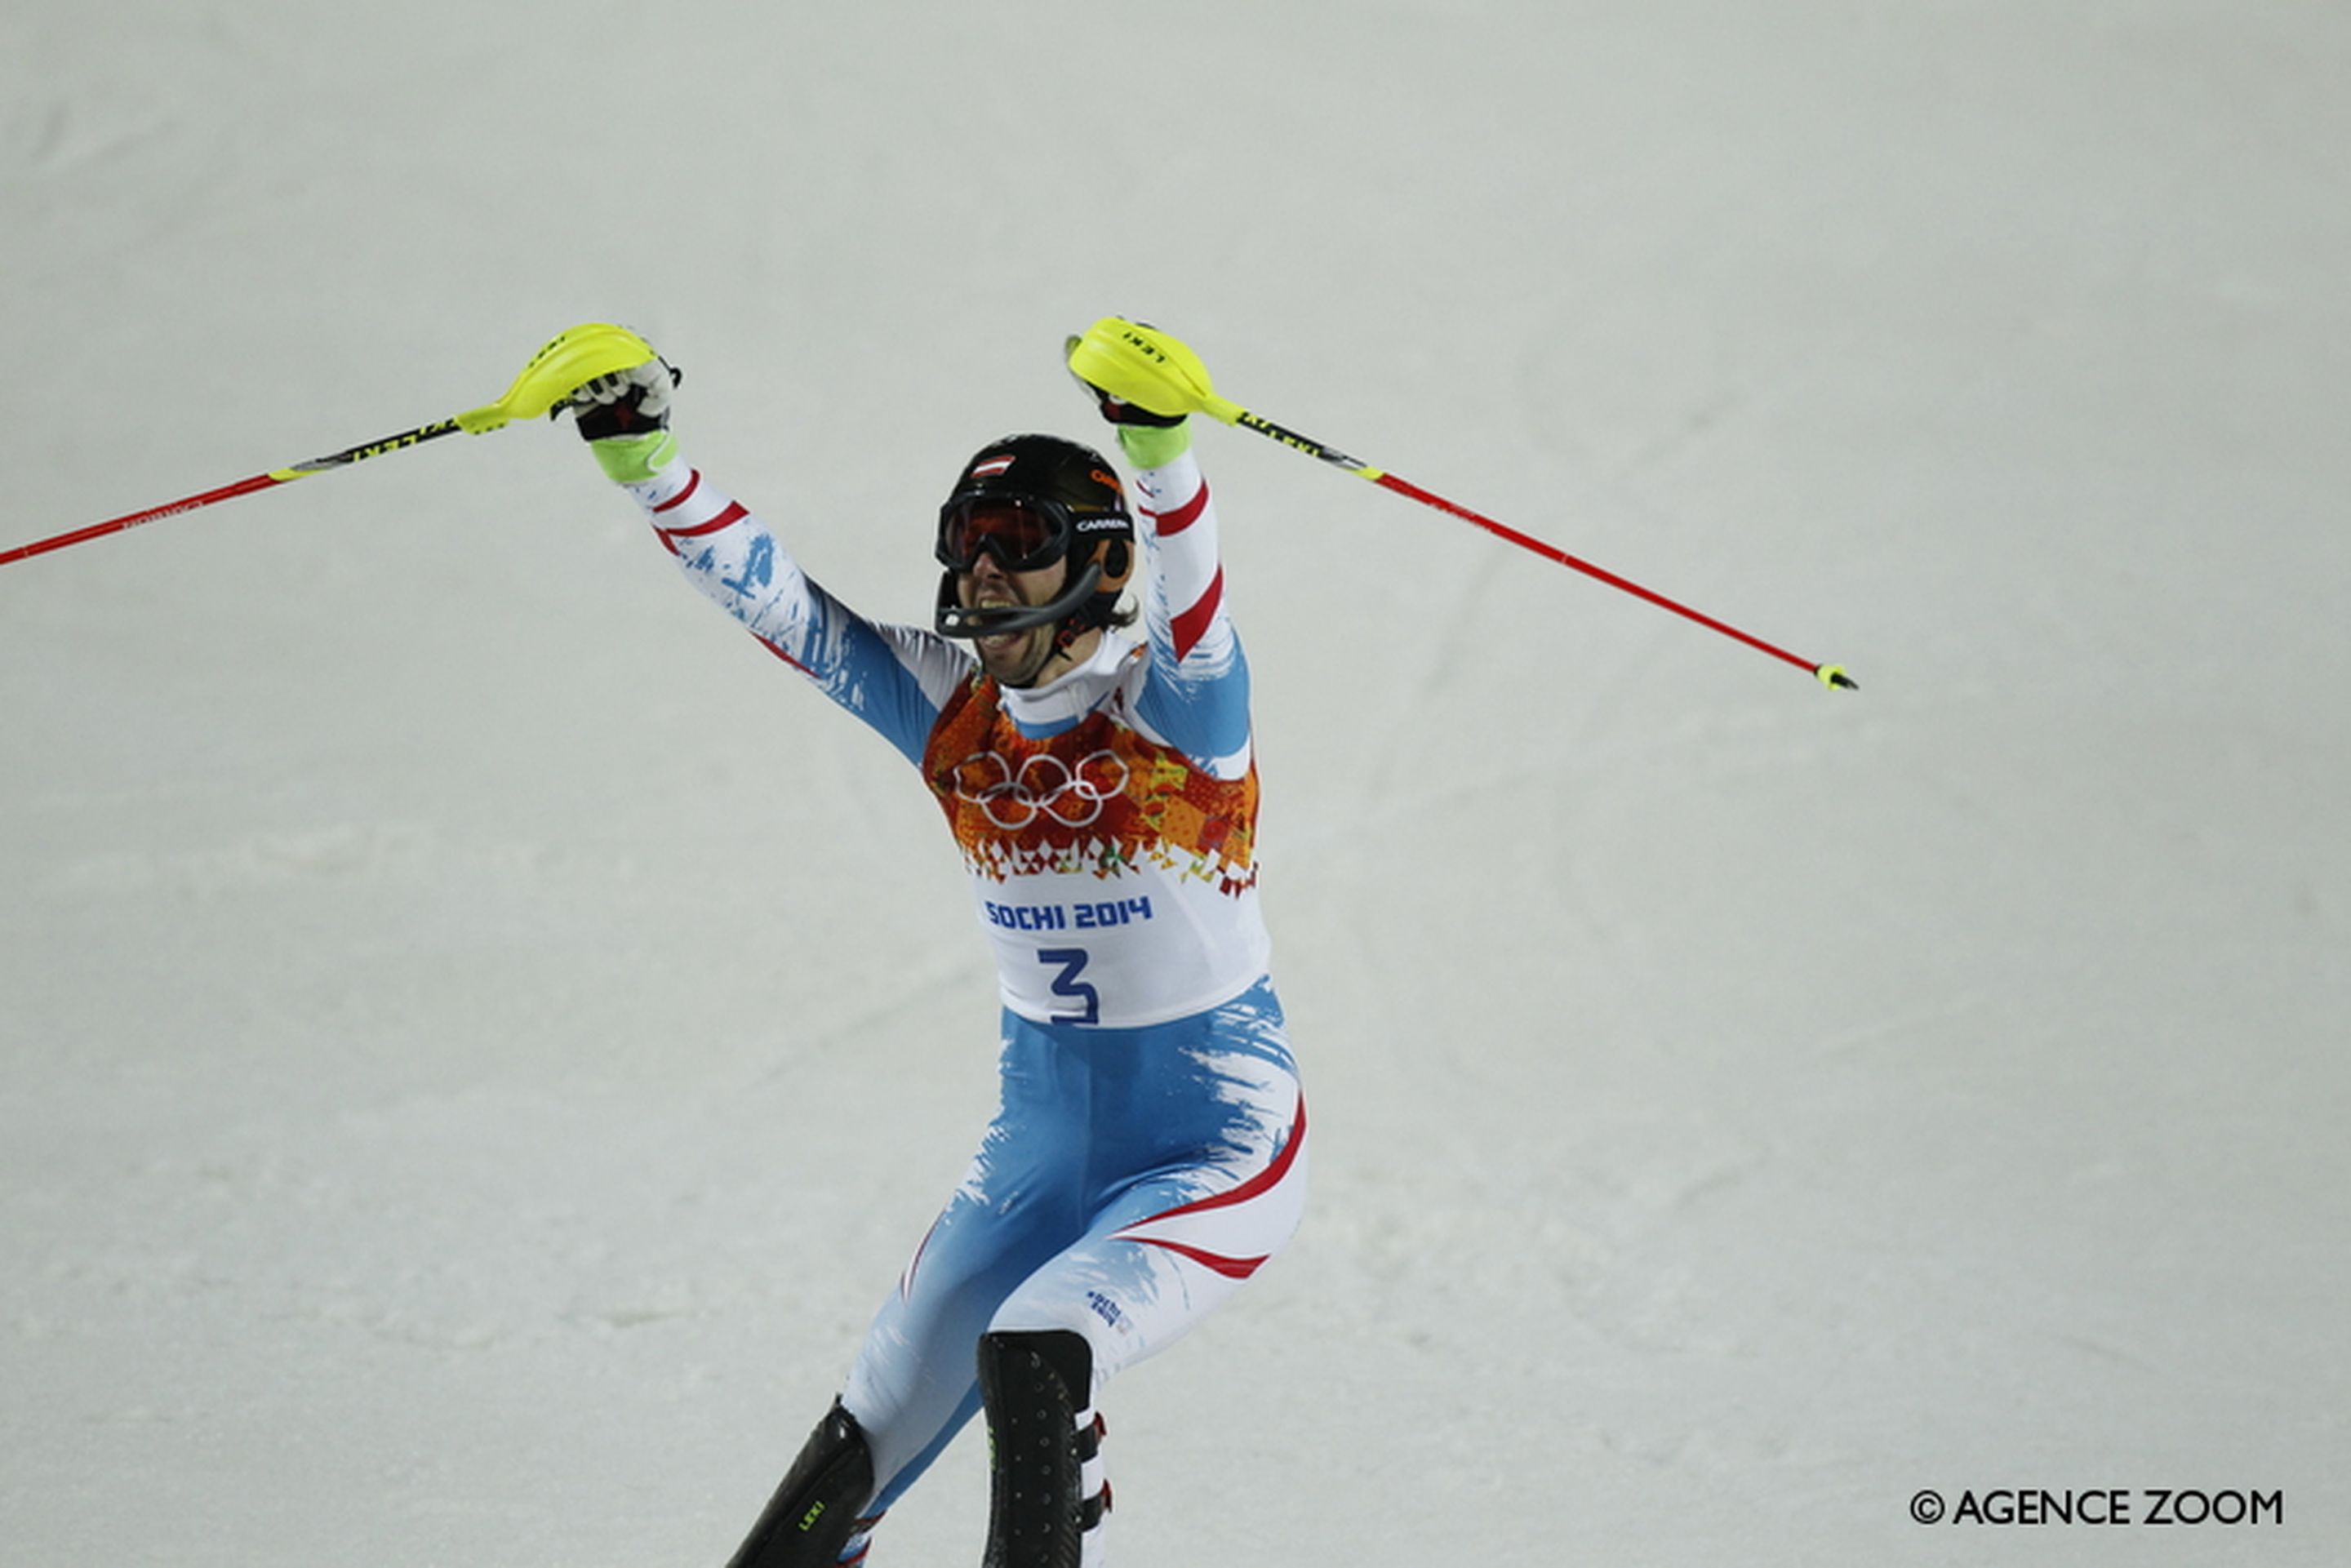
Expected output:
(1023, 535)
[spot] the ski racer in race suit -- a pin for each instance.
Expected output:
(1148, 1155)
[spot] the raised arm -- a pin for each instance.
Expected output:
(1199, 697)
(892, 677)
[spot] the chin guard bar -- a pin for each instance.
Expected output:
(958, 620)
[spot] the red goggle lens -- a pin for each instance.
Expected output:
(1022, 537)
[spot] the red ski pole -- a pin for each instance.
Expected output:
(229, 492)
(572, 361)
(1831, 675)
(1144, 366)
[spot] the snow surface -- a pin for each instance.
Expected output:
(477, 1037)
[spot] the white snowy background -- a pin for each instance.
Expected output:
(477, 1037)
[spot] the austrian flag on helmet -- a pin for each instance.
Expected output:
(1030, 501)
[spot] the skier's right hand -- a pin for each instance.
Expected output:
(627, 402)
(624, 419)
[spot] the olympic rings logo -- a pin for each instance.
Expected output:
(1042, 786)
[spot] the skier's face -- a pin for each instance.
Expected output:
(1015, 658)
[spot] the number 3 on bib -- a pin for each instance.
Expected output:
(1067, 984)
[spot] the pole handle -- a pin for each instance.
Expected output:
(569, 360)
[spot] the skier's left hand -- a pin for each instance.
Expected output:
(1138, 374)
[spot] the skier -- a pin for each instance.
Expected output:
(1148, 1154)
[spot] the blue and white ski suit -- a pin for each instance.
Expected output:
(1148, 1154)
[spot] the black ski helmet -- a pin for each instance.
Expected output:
(1033, 501)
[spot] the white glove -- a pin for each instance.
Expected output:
(626, 402)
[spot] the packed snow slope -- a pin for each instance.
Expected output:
(477, 1037)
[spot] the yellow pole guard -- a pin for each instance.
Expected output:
(569, 361)
(1144, 366)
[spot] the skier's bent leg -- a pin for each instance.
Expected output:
(1159, 1258)
(813, 1521)
(1046, 1496)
